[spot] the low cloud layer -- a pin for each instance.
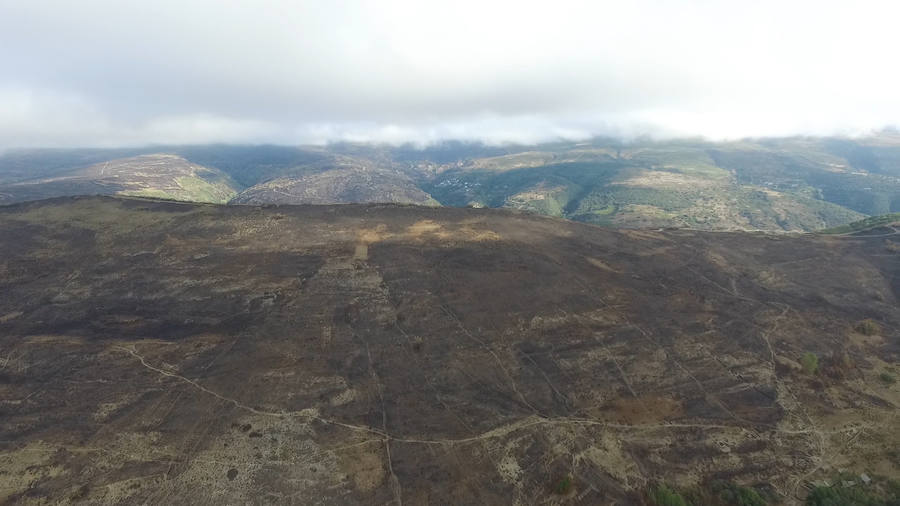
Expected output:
(104, 73)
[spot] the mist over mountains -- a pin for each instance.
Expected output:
(113, 74)
(776, 184)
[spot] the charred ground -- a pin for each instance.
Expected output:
(160, 352)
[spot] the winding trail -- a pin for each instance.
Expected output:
(503, 430)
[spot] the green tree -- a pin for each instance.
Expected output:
(665, 496)
(810, 362)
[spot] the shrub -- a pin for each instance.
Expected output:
(880, 492)
(868, 327)
(887, 378)
(563, 486)
(840, 496)
(737, 495)
(665, 496)
(810, 363)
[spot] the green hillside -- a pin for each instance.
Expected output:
(864, 224)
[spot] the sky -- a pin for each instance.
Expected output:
(123, 73)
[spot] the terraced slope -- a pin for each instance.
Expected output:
(163, 353)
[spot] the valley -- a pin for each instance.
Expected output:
(788, 184)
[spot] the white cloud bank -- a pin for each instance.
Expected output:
(106, 72)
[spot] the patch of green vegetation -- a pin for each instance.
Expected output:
(864, 224)
(810, 363)
(550, 202)
(606, 211)
(786, 165)
(743, 186)
(662, 495)
(493, 188)
(848, 491)
(715, 493)
(563, 486)
(250, 165)
(737, 495)
(190, 189)
(201, 190)
(887, 378)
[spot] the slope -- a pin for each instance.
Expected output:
(155, 175)
(341, 184)
(161, 352)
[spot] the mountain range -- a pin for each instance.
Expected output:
(785, 184)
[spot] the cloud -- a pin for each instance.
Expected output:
(103, 72)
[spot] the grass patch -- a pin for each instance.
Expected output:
(810, 363)
(887, 378)
(662, 495)
(730, 493)
(847, 490)
(714, 493)
(202, 190)
(190, 189)
(864, 224)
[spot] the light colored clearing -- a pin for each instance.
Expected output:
(514, 161)
(860, 444)
(345, 397)
(601, 317)
(10, 316)
(662, 179)
(365, 468)
(24, 466)
(107, 408)
(370, 235)
(645, 235)
(54, 339)
(539, 192)
(771, 280)
(528, 195)
(423, 230)
(606, 454)
(601, 264)
(423, 227)
(719, 261)
(864, 341)
(361, 252)
(509, 469)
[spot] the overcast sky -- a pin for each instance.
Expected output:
(119, 72)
